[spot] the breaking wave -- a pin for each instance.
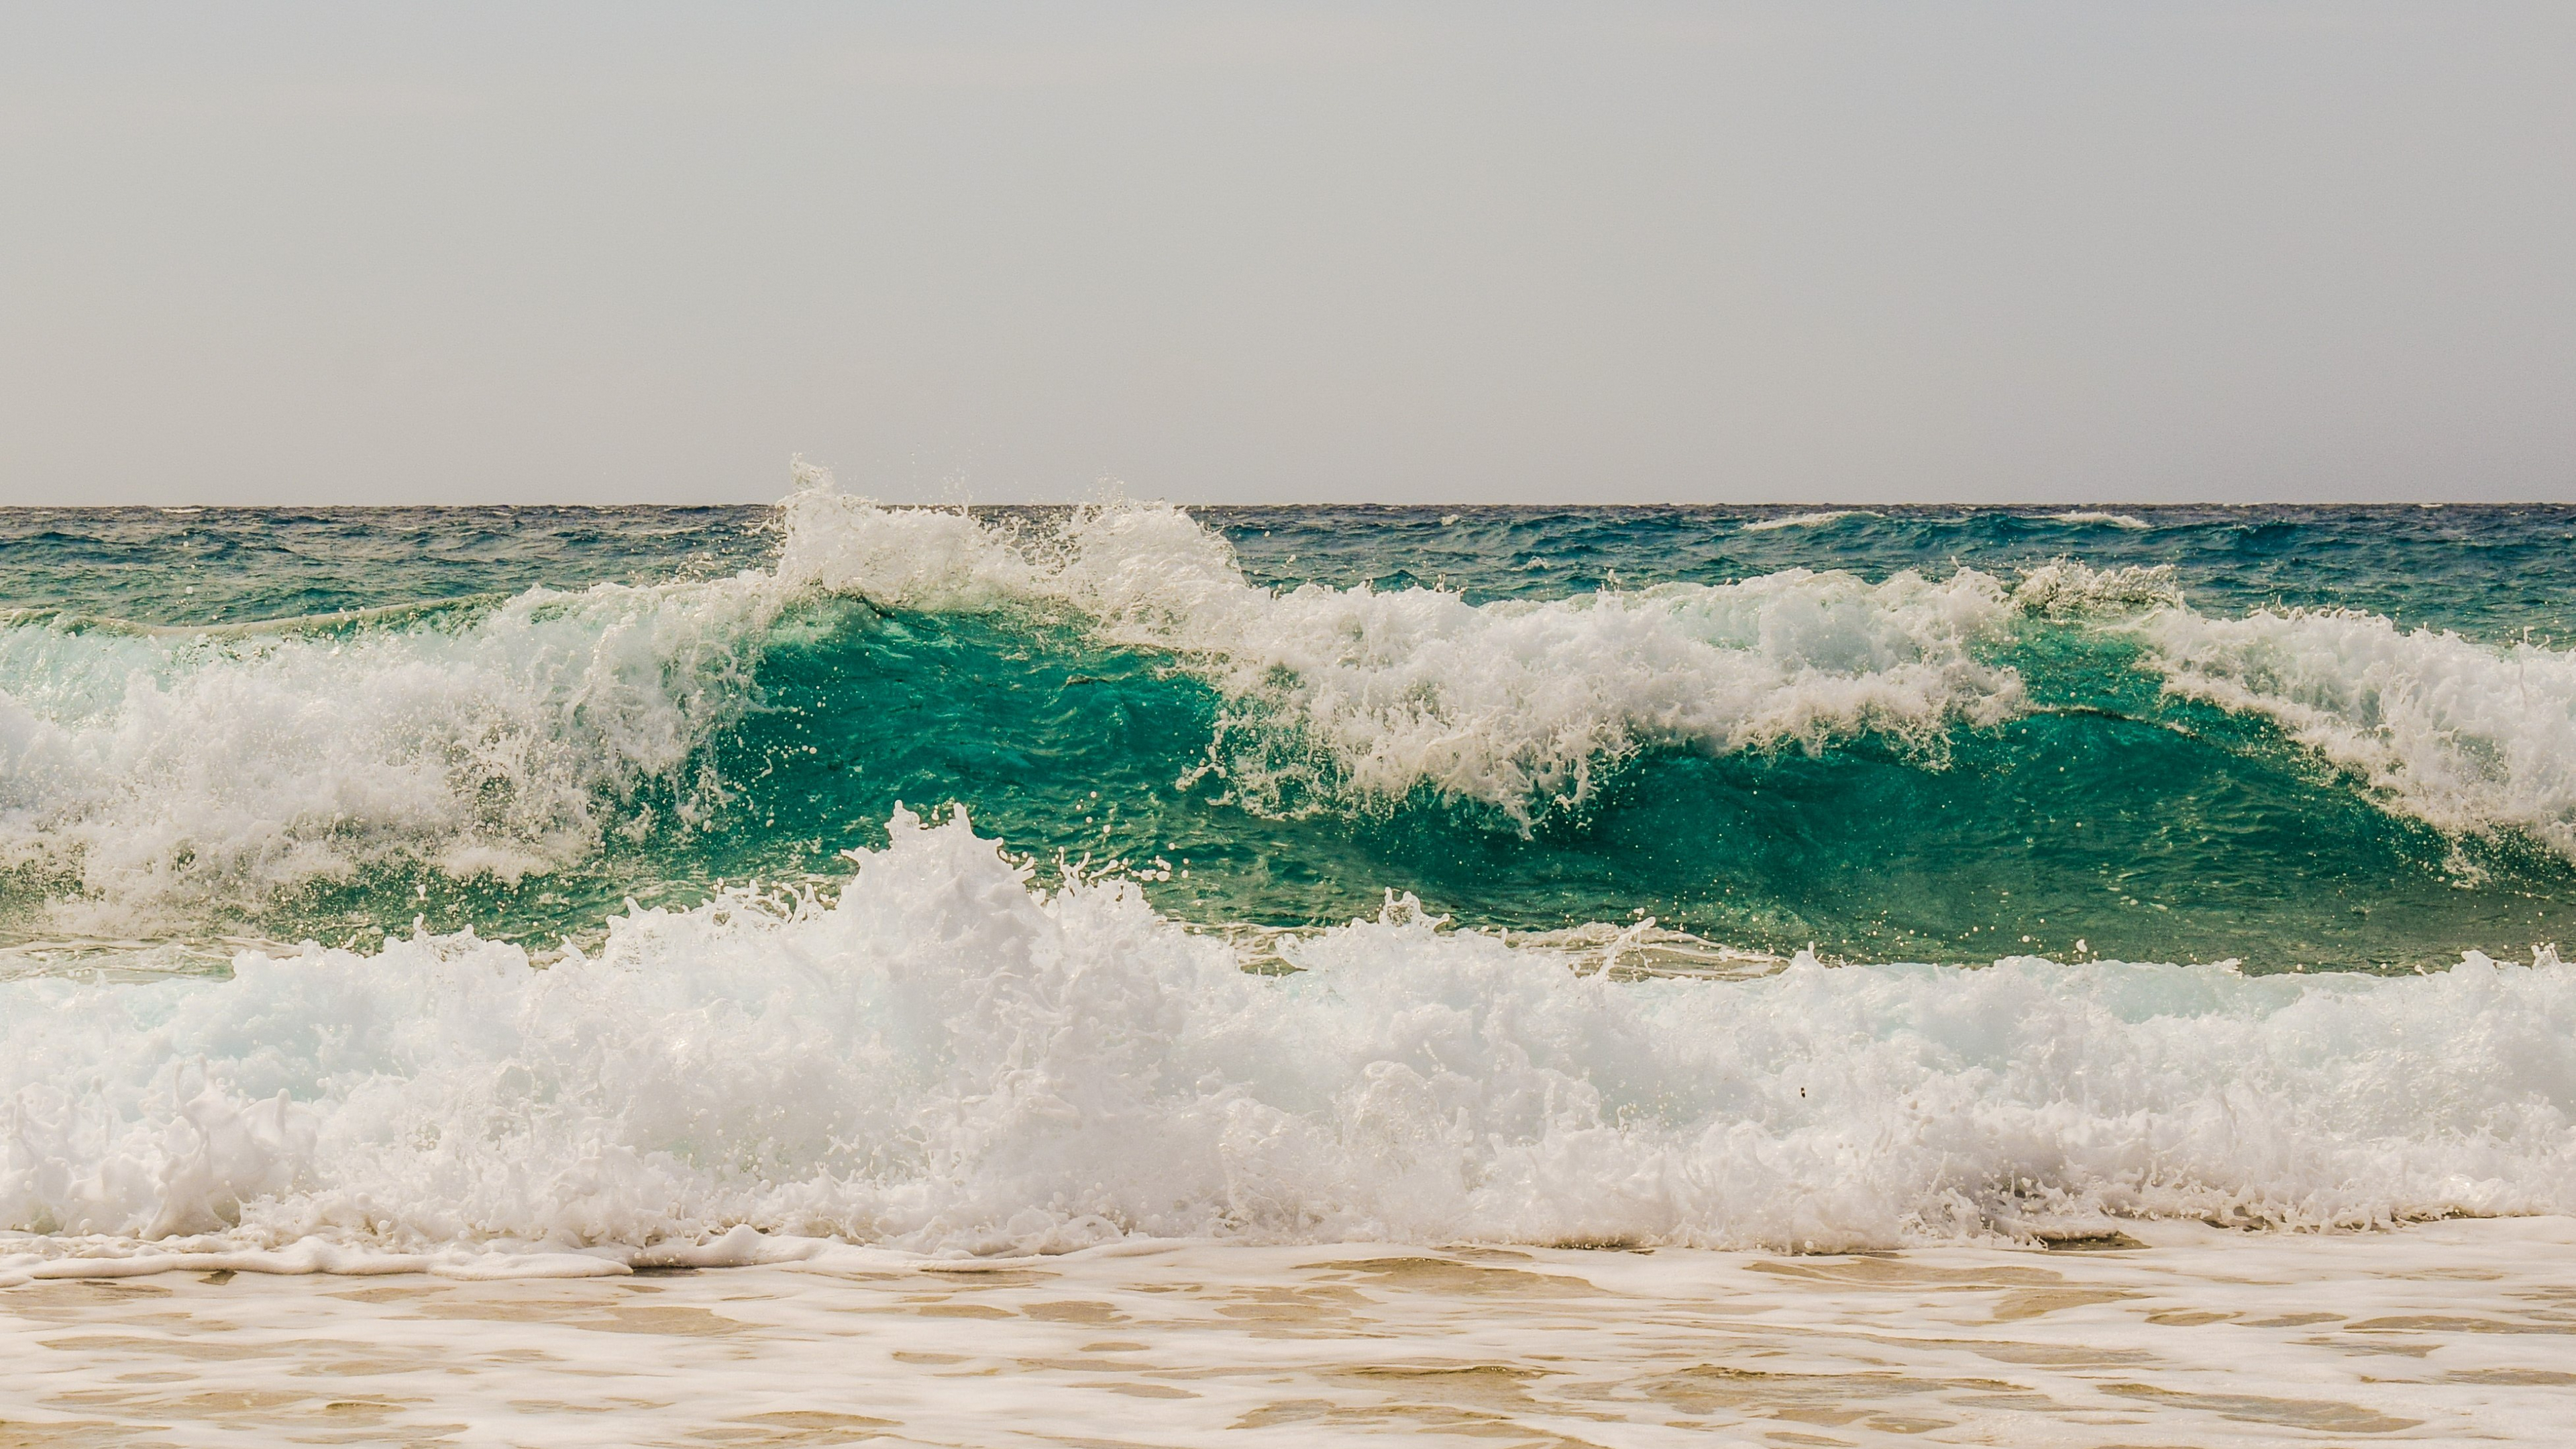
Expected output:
(162, 773)
(2471, 738)
(152, 778)
(170, 772)
(950, 1057)
(1806, 520)
(1359, 695)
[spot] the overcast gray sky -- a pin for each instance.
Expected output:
(638, 252)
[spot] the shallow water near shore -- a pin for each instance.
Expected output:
(2172, 1334)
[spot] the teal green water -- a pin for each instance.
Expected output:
(185, 757)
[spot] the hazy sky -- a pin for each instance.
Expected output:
(513, 252)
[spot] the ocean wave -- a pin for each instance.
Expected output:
(1808, 520)
(1360, 696)
(2469, 737)
(170, 771)
(156, 775)
(156, 780)
(2108, 520)
(948, 1057)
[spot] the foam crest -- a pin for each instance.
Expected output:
(1522, 705)
(2469, 737)
(949, 1057)
(1807, 520)
(175, 772)
(1356, 694)
(2067, 589)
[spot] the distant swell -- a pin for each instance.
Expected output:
(950, 1057)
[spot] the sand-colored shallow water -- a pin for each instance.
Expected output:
(2452, 1332)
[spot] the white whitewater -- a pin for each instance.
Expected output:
(951, 1058)
(2469, 737)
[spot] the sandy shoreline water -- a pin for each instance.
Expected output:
(2450, 1332)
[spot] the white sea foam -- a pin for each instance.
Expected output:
(2469, 737)
(2107, 520)
(948, 1058)
(174, 771)
(2065, 589)
(1807, 520)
